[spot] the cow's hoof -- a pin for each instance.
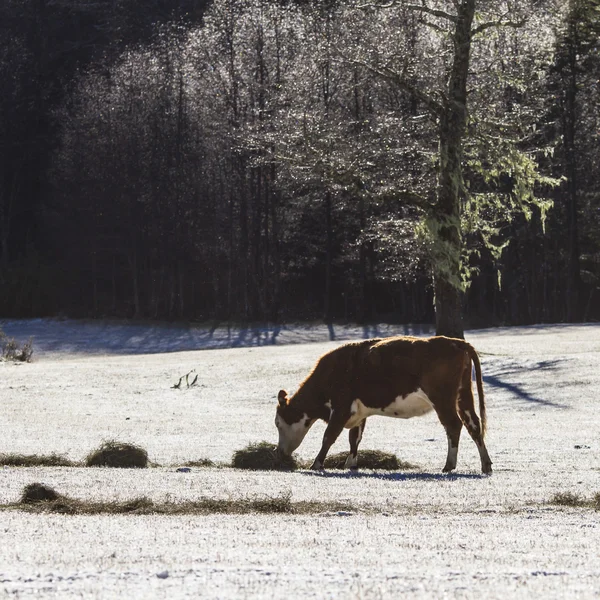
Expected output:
(448, 469)
(316, 466)
(487, 469)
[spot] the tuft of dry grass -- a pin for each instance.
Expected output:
(567, 499)
(205, 463)
(369, 459)
(37, 498)
(35, 460)
(118, 454)
(570, 499)
(262, 456)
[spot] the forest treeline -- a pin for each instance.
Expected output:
(256, 160)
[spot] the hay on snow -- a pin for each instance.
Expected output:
(38, 492)
(35, 460)
(118, 454)
(262, 456)
(368, 459)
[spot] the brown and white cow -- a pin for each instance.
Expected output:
(399, 377)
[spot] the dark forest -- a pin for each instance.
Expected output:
(261, 161)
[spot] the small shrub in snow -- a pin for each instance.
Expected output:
(9, 349)
(38, 498)
(188, 383)
(118, 454)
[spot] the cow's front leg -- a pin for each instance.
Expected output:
(332, 432)
(355, 436)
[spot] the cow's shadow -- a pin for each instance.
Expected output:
(393, 476)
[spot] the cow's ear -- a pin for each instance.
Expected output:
(282, 397)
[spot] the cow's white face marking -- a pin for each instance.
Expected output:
(291, 436)
(328, 405)
(414, 404)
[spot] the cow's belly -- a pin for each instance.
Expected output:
(414, 404)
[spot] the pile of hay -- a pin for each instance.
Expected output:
(38, 492)
(118, 454)
(262, 457)
(369, 459)
(35, 460)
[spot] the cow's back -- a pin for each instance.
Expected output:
(400, 366)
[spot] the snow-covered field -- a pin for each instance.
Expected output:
(424, 535)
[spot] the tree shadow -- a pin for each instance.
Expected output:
(248, 337)
(331, 331)
(496, 380)
(415, 330)
(393, 475)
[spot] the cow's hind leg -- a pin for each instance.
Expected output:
(332, 432)
(445, 406)
(355, 436)
(453, 426)
(466, 410)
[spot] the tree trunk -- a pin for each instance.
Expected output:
(448, 310)
(133, 265)
(327, 308)
(569, 136)
(3, 240)
(444, 219)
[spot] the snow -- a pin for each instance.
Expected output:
(417, 533)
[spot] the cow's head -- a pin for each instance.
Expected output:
(292, 424)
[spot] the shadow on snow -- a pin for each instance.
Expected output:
(497, 380)
(139, 337)
(394, 476)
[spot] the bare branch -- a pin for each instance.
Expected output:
(433, 26)
(372, 5)
(412, 198)
(498, 23)
(435, 108)
(432, 11)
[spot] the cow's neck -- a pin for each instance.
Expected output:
(309, 399)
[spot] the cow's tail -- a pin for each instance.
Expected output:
(475, 359)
